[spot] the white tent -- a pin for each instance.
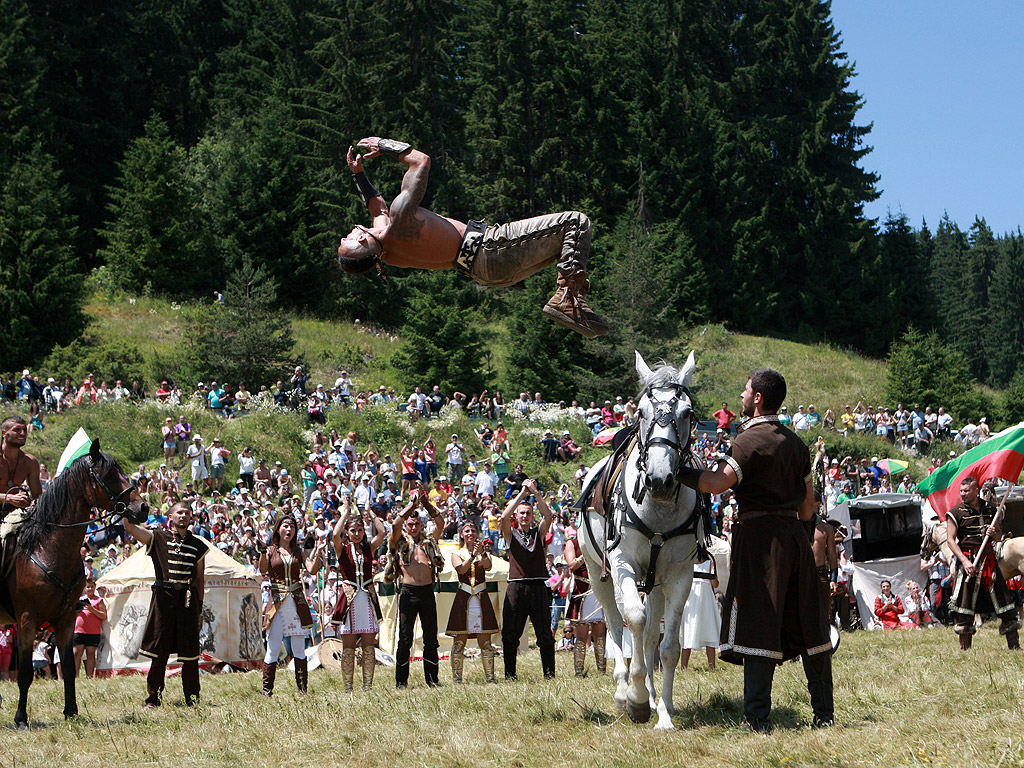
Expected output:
(231, 613)
(904, 566)
(498, 581)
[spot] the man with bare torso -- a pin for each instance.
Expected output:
(416, 560)
(406, 235)
(19, 471)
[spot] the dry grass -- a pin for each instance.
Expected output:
(902, 699)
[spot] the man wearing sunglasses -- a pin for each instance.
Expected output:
(406, 235)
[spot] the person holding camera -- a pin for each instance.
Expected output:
(92, 612)
(414, 560)
(527, 595)
(472, 614)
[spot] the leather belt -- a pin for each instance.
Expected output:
(767, 513)
(473, 590)
(177, 585)
(469, 247)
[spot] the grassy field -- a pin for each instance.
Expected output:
(904, 698)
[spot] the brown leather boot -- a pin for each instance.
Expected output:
(269, 673)
(579, 658)
(965, 642)
(348, 667)
(458, 658)
(301, 674)
(369, 666)
(568, 307)
(487, 660)
(1013, 640)
(602, 662)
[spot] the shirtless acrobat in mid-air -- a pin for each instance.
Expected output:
(499, 255)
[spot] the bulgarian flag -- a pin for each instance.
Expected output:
(1002, 455)
(78, 446)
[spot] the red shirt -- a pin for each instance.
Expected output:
(86, 622)
(724, 418)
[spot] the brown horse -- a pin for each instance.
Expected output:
(44, 582)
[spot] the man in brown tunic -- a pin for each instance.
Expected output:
(772, 607)
(176, 607)
(980, 589)
(407, 235)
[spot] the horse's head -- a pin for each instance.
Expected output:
(112, 490)
(666, 416)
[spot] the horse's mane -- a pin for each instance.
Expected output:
(664, 375)
(50, 506)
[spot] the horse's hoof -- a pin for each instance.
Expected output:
(22, 726)
(638, 712)
(71, 715)
(664, 724)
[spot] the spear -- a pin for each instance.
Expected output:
(996, 519)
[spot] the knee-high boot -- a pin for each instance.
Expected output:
(348, 667)
(302, 674)
(269, 673)
(487, 660)
(458, 658)
(602, 662)
(369, 665)
(579, 658)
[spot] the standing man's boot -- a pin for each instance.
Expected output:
(965, 641)
(269, 674)
(1013, 640)
(568, 307)
(302, 674)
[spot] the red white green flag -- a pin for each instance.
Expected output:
(1002, 455)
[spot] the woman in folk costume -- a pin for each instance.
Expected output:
(472, 614)
(356, 611)
(585, 613)
(702, 618)
(286, 616)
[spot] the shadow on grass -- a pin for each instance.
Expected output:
(593, 715)
(727, 712)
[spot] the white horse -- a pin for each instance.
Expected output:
(654, 533)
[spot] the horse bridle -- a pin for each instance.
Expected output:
(664, 416)
(118, 505)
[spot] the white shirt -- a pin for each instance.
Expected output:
(486, 482)
(343, 384)
(454, 452)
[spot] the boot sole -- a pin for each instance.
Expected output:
(567, 322)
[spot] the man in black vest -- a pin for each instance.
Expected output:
(176, 607)
(527, 595)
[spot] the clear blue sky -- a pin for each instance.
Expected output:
(942, 83)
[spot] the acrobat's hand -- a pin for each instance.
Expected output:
(355, 162)
(370, 145)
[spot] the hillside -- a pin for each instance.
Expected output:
(819, 374)
(816, 373)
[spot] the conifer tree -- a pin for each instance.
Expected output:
(156, 235)
(1004, 336)
(443, 344)
(40, 284)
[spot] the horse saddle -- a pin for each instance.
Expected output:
(9, 525)
(597, 494)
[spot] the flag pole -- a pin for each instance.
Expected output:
(996, 519)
